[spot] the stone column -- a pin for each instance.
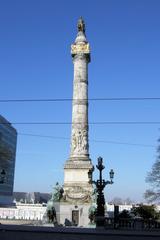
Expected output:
(79, 136)
(81, 57)
(77, 186)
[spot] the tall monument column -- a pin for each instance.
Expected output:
(77, 185)
(81, 57)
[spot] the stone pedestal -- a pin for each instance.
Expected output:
(71, 214)
(77, 186)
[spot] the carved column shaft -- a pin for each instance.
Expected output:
(79, 137)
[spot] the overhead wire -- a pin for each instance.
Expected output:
(70, 99)
(91, 140)
(90, 123)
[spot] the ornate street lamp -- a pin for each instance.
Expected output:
(111, 174)
(100, 185)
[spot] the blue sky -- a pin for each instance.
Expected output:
(35, 62)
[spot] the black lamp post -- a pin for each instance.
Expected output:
(100, 185)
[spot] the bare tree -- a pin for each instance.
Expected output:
(117, 201)
(153, 178)
(120, 201)
(128, 201)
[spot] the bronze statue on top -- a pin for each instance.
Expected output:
(81, 25)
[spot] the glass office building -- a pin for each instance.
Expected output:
(8, 142)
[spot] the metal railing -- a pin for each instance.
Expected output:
(132, 224)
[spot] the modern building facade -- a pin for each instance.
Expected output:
(8, 142)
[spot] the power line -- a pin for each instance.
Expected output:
(91, 140)
(36, 100)
(43, 136)
(70, 99)
(124, 143)
(90, 123)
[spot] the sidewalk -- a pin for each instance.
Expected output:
(8, 232)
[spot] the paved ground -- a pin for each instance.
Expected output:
(15, 232)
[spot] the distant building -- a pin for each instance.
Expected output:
(31, 197)
(8, 142)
